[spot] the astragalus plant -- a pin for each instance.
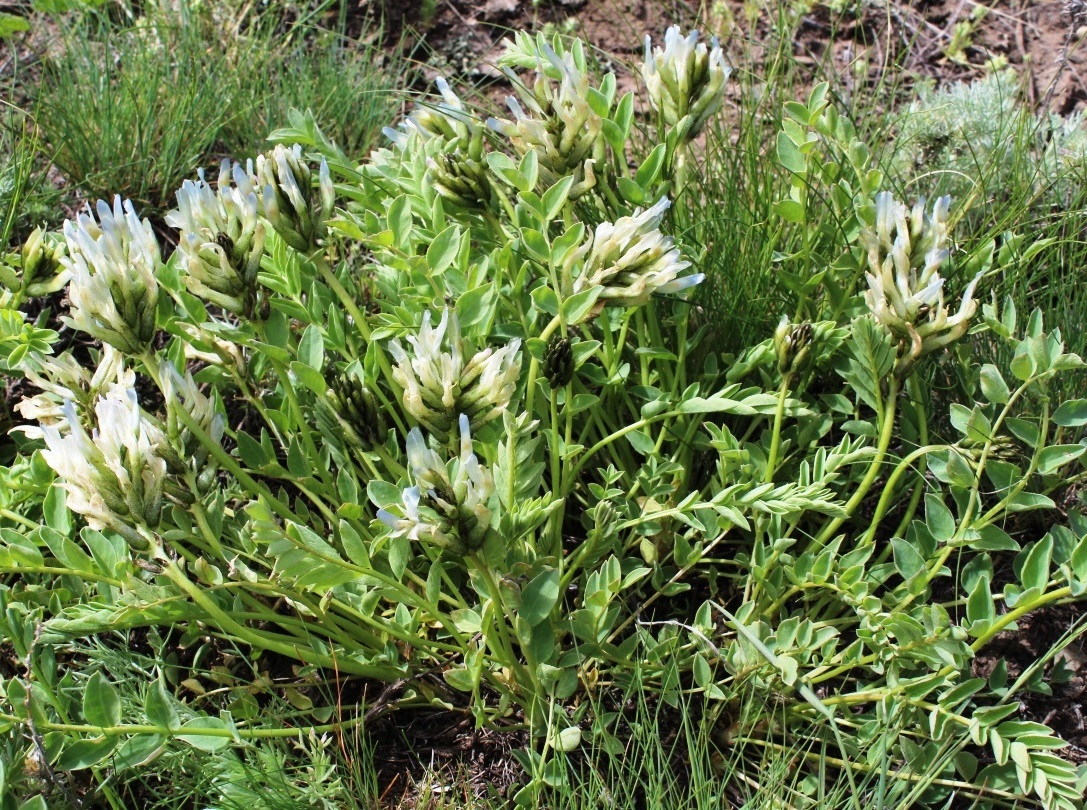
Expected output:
(446, 419)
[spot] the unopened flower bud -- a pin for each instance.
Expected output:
(792, 344)
(295, 209)
(460, 179)
(559, 362)
(39, 269)
(356, 410)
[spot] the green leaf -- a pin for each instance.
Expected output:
(1036, 566)
(459, 678)
(980, 608)
(12, 24)
(958, 470)
(555, 197)
(790, 211)
(309, 377)
(1024, 431)
(251, 451)
(568, 739)
(443, 250)
(577, 306)
(539, 597)
(939, 518)
(138, 750)
(871, 358)
(191, 733)
(382, 494)
(790, 155)
(400, 221)
(1072, 413)
(476, 307)
(908, 560)
(650, 169)
(993, 386)
(159, 707)
(641, 442)
(630, 191)
(311, 348)
(1053, 458)
(101, 703)
(86, 752)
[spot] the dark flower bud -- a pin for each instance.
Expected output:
(559, 362)
(356, 409)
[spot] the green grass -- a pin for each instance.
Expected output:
(27, 197)
(131, 107)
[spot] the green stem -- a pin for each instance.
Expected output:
(534, 366)
(885, 434)
(775, 438)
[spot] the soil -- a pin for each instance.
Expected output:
(940, 40)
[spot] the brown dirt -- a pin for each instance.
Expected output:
(942, 40)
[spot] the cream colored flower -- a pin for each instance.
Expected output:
(554, 119)
(905, 290)
(448, 505)
(222, 238)
(113, 261)
(631, 259)
(686, 80)
(292, 206)
(114, 475)
(438, 384)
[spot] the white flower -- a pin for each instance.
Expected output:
(448, 505)
(222, 238)
(438, 384)
(448, 119)
(686, 80)
(182, 392)
(115, 475)
(559, 124)
(113, 262)
(63, 378)
(631, 259)
(905, 290)
(288, 199)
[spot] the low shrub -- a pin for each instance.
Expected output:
(447, 419)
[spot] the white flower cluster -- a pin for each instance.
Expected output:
(113, 262)
(63, 379)
(287, 196)
(438, 385)
(222, 238)
(114, 475)
(905, 290)
(559, 124)
(631, 259)
(449, 504)
(448, 119)
(686, 80)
